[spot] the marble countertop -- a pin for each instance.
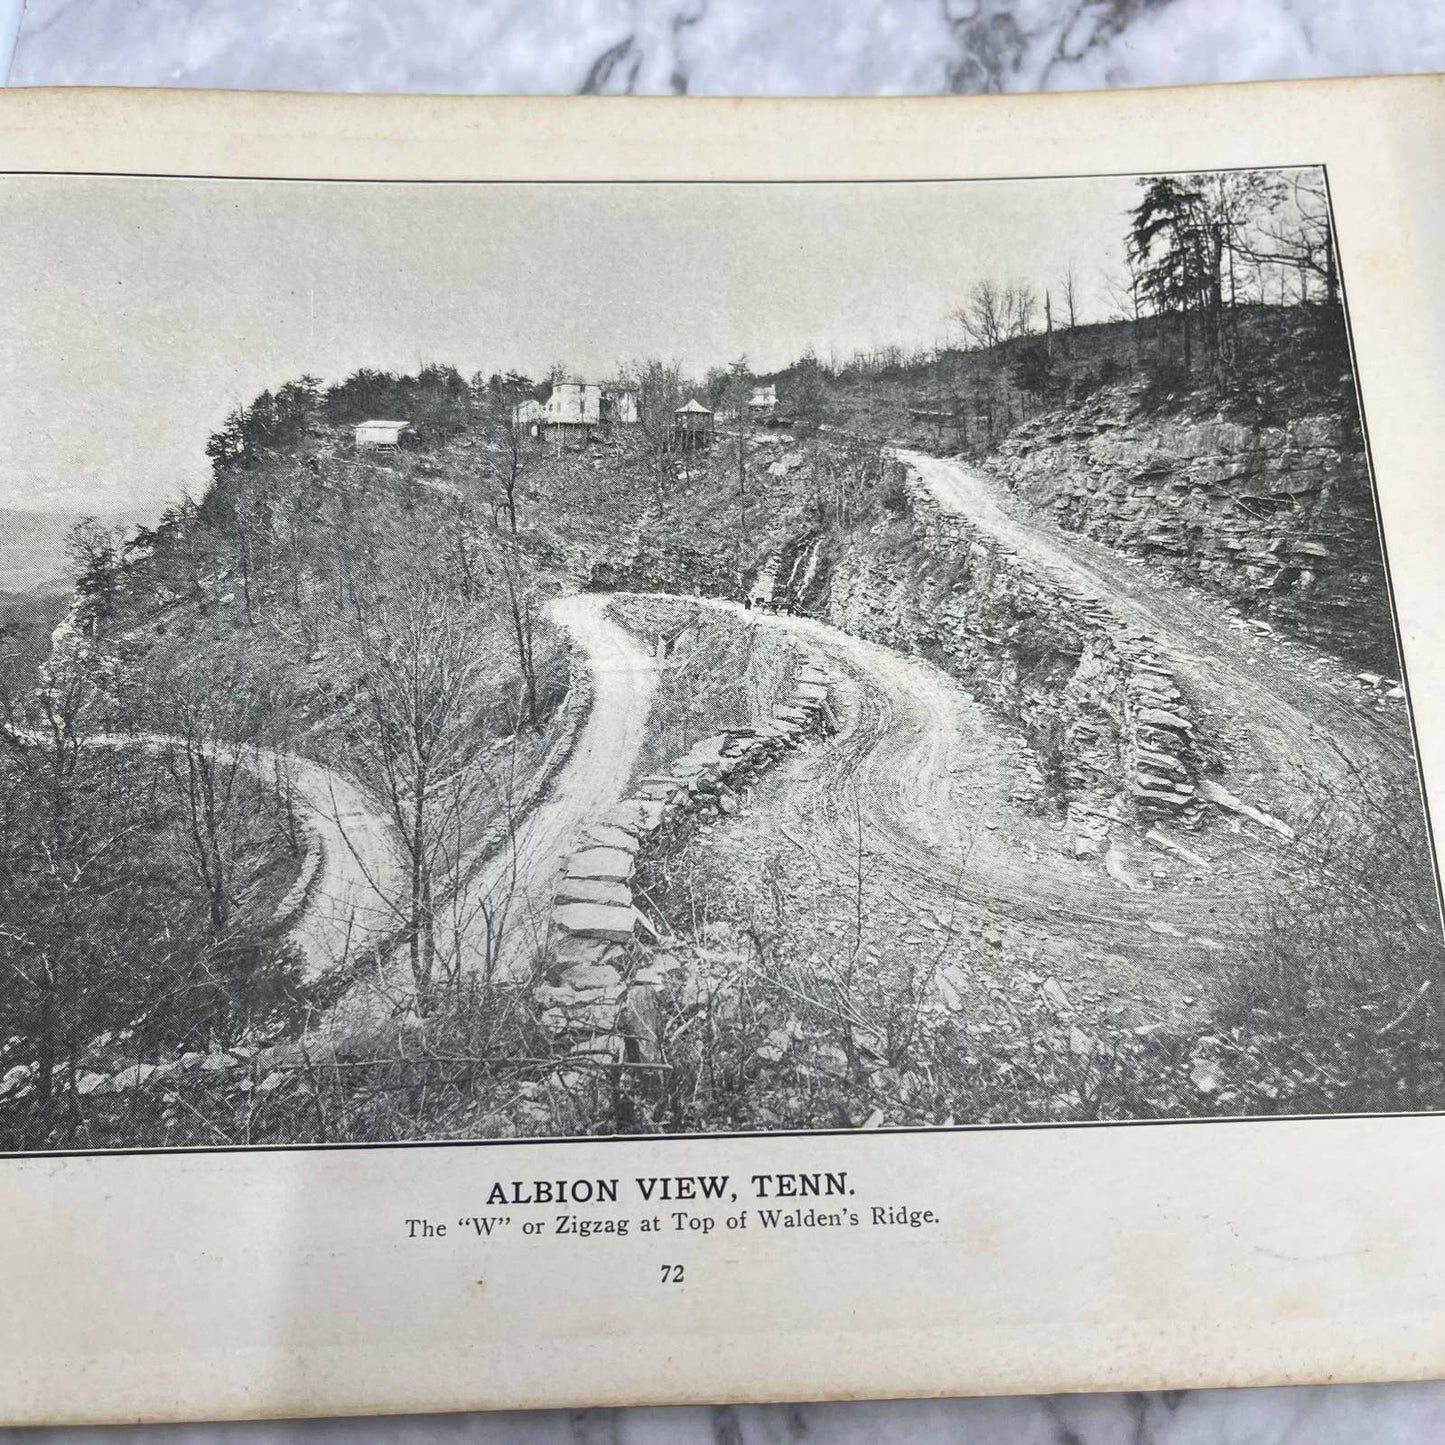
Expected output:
(712, 47)
(764, 47)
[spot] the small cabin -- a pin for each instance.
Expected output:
(692, 426)
(763, 399)
(381, 435)
(528, 416)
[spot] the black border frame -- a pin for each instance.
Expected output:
(191, 1150)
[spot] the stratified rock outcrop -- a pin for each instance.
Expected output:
(1279, 519)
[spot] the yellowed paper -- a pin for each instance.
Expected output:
(863, 1254)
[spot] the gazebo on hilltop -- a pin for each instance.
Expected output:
(692, 426)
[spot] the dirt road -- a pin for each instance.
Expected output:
(346, 905)
(362, 873)
(511, 900)
(927, 774)
(1300, 736)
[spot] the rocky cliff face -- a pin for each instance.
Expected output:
(1095, 699)
(1280, 519)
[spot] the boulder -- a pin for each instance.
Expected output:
(574, 952)
(606, 921)
(1055, 997)
(1222, 798)
(1161, 762)
(604, 835)
(594, 1017)
(639, 816)
(1157, 783)
(661, 968)
(1154, 797)
(609, 864)
(708, 753)
(664, 790)
(592, 977)
(1160, 840)
(593, 890)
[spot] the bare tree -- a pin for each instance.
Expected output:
(508, 449)
(203, 765)
(521, 609)
(996, 312)
(660, 391)
(740, 391)
(1290, 231)
(1069, 290)
(1021, 305)
(422, 744)
(984, 317)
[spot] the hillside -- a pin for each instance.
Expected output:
(1275, 363)
(1059, 704)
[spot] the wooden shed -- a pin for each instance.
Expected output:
(528, 416)
(385, 435)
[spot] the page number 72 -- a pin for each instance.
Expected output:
(672, 1274)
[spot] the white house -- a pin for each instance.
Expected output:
(574, 404)
(619, 404)
(578, 406)
(386, 434)
(764, 398)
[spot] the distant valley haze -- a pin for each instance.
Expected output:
(32, 548)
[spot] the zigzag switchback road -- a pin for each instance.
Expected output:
(1302, 736)
(923, 770)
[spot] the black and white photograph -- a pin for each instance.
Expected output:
(537, 661)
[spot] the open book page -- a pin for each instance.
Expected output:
(656, 751)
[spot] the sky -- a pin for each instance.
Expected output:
(141, 311)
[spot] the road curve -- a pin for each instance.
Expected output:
(352, 902)
(504, 916)
(349, 903)
(1301, 735)
(927, 773)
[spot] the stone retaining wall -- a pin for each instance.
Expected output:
(598, 992)
(1120, 676)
